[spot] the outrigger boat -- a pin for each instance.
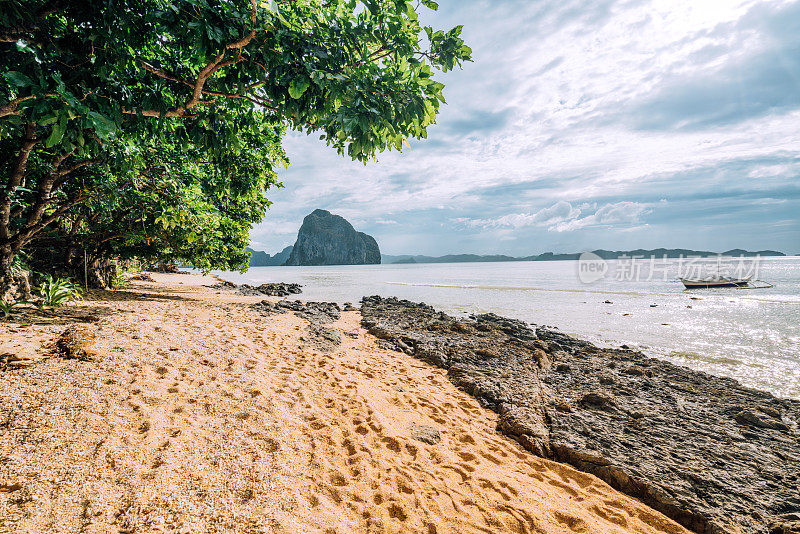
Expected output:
(715, 281)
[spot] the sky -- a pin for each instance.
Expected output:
(583, 124)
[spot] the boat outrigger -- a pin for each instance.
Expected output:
(715, 281)
(724, 281)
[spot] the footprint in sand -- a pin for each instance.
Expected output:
(575, 524)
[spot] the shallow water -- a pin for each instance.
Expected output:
(750, 335)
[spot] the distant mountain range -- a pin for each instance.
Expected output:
(262, 259)
(550, 256)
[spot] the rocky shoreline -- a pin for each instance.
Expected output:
(714, 456)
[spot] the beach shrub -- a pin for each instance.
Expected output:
(121, 279)
(55, 292)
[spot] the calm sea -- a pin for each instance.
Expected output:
(751, 335)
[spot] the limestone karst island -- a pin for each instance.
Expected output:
(392, 266)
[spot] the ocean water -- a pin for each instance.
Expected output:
(751, 335)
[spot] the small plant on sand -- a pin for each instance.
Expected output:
(55, 292)
(6, 307)
(121, 279)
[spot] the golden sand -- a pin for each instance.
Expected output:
(198, 416)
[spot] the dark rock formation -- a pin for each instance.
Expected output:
(75, 343)
(703, 450)
(313, 312)
(318, 314)
(327, 239)
(372, 253)
(272, 289)
(321, 338)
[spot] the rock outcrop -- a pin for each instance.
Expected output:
(318, 336)
(328, 239)
(712, 455)
(272, 289)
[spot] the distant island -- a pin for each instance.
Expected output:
(262, 259)
(323, 239)
(605, 254)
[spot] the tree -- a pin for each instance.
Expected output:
(177, 205)
(90, 91)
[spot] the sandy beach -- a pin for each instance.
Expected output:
(198, 415)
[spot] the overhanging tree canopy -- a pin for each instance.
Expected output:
(87, 88)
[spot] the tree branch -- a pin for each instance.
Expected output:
(24, 236)
(199, 84)
(11, 107)
(45, 189)
(15, 179)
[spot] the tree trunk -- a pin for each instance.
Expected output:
(6, 276)
(14, 286)
(14, 180)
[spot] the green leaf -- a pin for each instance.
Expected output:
(56, 134)
(18, 79)
(298, 87)
(103, 126)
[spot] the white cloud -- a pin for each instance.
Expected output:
(560, 211)
(556, 86)
(563, 217)
(620, 213)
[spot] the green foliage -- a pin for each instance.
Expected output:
(154, 127)
(121, 279)
(7, 307)
(55, 292)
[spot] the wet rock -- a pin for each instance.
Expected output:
(273, 289)
(315, 312)
(425, 434)
(322, 338)
(705, 451)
